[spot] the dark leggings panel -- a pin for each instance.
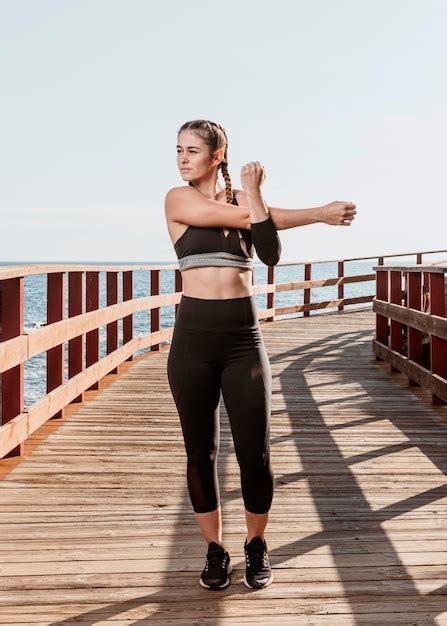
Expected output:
(201, 365)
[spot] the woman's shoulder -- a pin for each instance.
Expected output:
(173, 191)
(179, 196)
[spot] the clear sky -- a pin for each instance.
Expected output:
(341, 100)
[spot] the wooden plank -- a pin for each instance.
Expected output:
(425, 322)
(439, 269)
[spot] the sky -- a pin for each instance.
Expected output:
(339, 100)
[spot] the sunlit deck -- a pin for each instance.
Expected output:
(97, 525)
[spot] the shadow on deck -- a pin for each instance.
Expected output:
(97, 524)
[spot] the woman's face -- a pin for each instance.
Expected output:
(193, 156)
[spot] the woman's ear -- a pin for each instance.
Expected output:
(219, 155)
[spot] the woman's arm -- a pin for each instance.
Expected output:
(188, 206)
(339, 213)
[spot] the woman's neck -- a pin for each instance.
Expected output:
(209, 189)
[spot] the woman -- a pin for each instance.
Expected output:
(217, 343)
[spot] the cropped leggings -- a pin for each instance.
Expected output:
(217, 346)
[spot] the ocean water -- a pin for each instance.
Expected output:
(36, 295)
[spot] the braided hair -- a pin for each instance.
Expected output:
(215, 137)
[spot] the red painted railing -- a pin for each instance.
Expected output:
(411, 324)
(81, 329)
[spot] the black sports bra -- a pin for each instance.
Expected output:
(201, 246)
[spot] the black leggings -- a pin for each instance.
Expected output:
(217, 344)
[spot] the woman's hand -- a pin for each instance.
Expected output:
(338, 213)
(252, 177)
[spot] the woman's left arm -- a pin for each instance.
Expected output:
(338, 213)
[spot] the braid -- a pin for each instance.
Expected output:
(224, 166)
(226, 176)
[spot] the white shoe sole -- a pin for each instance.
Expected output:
(269, 581)
(225, 584)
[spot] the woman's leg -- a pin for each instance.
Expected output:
(246, 388)
(256, 524)
(195, 386)
(211, 525)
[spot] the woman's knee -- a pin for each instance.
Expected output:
(257, 488)
(254, 453)
(201, 458)
(257, 471)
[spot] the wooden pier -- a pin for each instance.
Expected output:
(97, 525)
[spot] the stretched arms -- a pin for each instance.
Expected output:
(189, 206)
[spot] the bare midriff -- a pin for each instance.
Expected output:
(217, 283)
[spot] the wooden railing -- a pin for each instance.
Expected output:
(81, 329)
(411, 324)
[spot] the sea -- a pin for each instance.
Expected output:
(36, 290)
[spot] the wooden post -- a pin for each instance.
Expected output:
(381, 320)
(92, 337)
(341, 290)
(128, 319)
(414, 336)
(438, 346)
(396, 298)
(155, 313)
(270, 295)
(307, 276)
(12, 379)
(75, 345)
(55, 313)
(112, 327)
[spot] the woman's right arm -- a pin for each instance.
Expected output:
(188, 206)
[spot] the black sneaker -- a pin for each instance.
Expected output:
(258, 573)
(216, 572)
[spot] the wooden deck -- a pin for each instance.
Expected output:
(97, 525)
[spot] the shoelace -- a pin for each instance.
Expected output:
(216, 558)
(257, 559)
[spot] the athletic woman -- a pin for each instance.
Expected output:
(217, 344)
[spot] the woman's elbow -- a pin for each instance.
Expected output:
(270, 257)
(270, 260)
(266, 241)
